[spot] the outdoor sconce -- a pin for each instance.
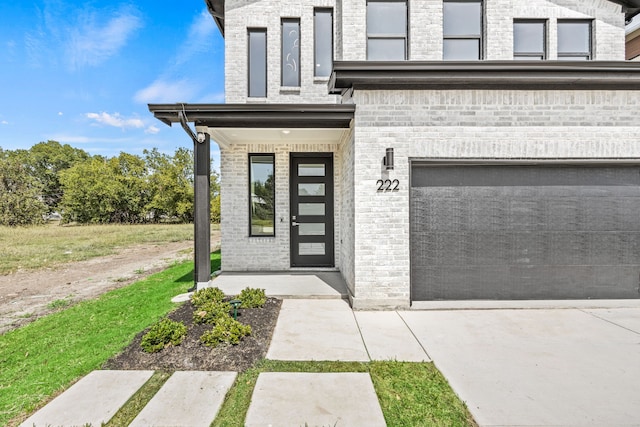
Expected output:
(387, 160)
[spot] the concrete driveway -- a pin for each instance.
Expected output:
(563, 367)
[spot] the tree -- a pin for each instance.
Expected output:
(45, 161)
(20, 202)
(171, 184)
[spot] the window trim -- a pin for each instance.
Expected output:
(567, 56)
(282, 64)
(266, 61)
(479, 37)
(315, 48)
(390, 36)
(273, 162)
(545, 39)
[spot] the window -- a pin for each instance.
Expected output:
(386, 30)
(291, 52)
(529, 40)
(262, 192)
(258, 63)
(323, 42)
(574, 40)
(462, 30)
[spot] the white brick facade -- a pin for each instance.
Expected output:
(372, 235)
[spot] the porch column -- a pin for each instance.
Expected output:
(201, 212)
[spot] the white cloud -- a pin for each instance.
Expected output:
(92, 43)
(4, 122)
(152, 130)
(199, 38)
(79, 139)
(212, 98)
(164, 91)
(60, 113)
(116, 120)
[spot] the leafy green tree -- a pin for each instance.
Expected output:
(45, 161)
(20, 202)
(171, 183)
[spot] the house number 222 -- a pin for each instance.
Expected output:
(388, 185)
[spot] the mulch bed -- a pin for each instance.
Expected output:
(191, 355)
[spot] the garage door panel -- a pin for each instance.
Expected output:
(538, 232)
(533, 282)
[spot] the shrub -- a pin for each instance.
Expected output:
(164, 333)
(252, 298)
(206, 295)
(226, 330)
(211, 311)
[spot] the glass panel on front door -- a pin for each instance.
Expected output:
(312, 240)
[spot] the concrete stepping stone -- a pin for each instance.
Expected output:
(94, 399)
(316, 330)
(387, 337)
(189, 399)
(306, 399)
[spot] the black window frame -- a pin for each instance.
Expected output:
(317, 11)
(250, 181)
(568, 56)
(545, 37)
(266, 59)
(283, 21)
(469, 36)
(384, 36)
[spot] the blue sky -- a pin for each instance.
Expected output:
(82, 73)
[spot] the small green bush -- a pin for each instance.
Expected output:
(211, 311)
(252, 298)
(226, 330)
(206, 295)
(164, 333)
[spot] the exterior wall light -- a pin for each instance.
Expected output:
(387, 160)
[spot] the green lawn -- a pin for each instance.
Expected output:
(46, 356)
(49, 245)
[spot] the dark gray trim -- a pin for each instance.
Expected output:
(273, 157)
(541, 75)
(258, 116)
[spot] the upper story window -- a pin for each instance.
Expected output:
(323, 42)
(529, 40)
(290, 52)
(462, 30)
(262, 195)
(257, 62)
(387, 30)
(574, 40)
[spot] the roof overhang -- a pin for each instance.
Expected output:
(539, 75)
(630, 7)
(268, 116)
(216, 9)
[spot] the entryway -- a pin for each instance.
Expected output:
(311, 209)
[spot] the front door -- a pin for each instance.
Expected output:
(311, 189)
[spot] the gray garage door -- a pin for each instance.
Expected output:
(525, 232)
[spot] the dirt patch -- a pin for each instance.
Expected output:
(27, 295)
(191, 355)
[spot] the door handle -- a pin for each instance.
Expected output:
(294, 224)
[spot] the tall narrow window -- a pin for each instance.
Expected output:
(387, 30)
(323, 42)
(529, 40)
(262, 195)
(291, 52)
(462, 30)
(258, 63)
(574, 40)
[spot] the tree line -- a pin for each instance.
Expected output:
(54, 178)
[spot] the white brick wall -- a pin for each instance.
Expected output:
(240, 15)
(459, 125)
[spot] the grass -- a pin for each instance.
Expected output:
(46, 356)
(410, 394)
(26, 248)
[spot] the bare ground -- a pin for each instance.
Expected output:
(27, 295)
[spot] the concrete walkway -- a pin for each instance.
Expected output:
(543, 367)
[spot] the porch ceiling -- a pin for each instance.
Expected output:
(228, 136)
